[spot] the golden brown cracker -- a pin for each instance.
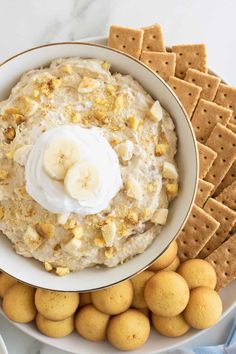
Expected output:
(198, 229)
(189, 56)
(153, 39)
(232, 127)
(207, 114)
(203, 192)
(228, 196)
(226, 217)
(223, 141)
(223, 260)
(162, 64)
(229, 178)
(206, 158)
(187, 93)
(208, 83)
(127, 40)
(226, 96)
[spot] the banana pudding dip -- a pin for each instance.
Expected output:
(87, 166)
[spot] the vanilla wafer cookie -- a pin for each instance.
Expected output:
(197, 231)
(153, 39)
(187, 93)
(206, 158)
(162, 64)
(203, 192)
(206, 116)
(226, 96)
(127, 40)
(223, 260)
(223, 141)
(208, 83)
(228, 196)
(226, 217)
(189, 56)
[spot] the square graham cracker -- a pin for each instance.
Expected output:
(229, 178)
(203, 192)
(206, 158)
(226, 96)
(206, 116)
(153, 39)
(223, 141)
(162, 64)
(189, 56)
(187, 93)
(232, 127)
(228, 196)
(226, 217)
(223, 260)
(197, 231)
(127, 40)
(208, 83)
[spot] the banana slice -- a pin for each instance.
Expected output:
(82, 181)
(87, 85)
(60, 155)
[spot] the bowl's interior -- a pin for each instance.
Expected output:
(31, 271)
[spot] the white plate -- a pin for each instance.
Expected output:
(155, 344)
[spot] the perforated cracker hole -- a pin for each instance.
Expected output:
(209, 85)
(124, 46)
(133, 39)
(117, 35)
(190, 63)
(226, 274)
(204, 110)
(230, 106)
(180, 54)
(148, 47)
(207, 226)
(201, 190)
(166, 62)
(196, 240)
(189, 94)
(149, 61)
(208, 249)
(220, 117)
(154, 37)
(193, 80)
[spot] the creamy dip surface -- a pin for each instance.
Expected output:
(87, 166)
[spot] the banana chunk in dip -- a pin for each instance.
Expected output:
(87, 166)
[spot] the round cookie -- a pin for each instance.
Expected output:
(204, 308)
(84, 299)
(91, 323)
(55, 329)
(18, 303)
(166, 258)
(129, 330)
(170, 326)
(139, 282)
(115, 299)
(198, 272)
(166, 294)
(6, 281)
(174, 265)
(56, 306)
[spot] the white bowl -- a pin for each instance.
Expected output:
(31, 271)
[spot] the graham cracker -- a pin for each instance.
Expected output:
(226, 96)
(232, 127)
(127, 40)
(162, 64)
(153, 39)
(208, 83)
(206, 158)
(223, 141)
(226, 217)
(203, 192)
(189, 56)
(223, 260)
(206, 116)
(229, 178)
(198, 229)
(228, 196)
(186, 92)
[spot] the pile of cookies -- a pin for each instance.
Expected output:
(210, 231)
(173, 297)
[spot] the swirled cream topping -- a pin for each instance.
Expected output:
(73, 169)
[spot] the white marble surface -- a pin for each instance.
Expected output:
(28, 23)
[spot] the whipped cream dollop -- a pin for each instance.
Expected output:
(73, 169)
